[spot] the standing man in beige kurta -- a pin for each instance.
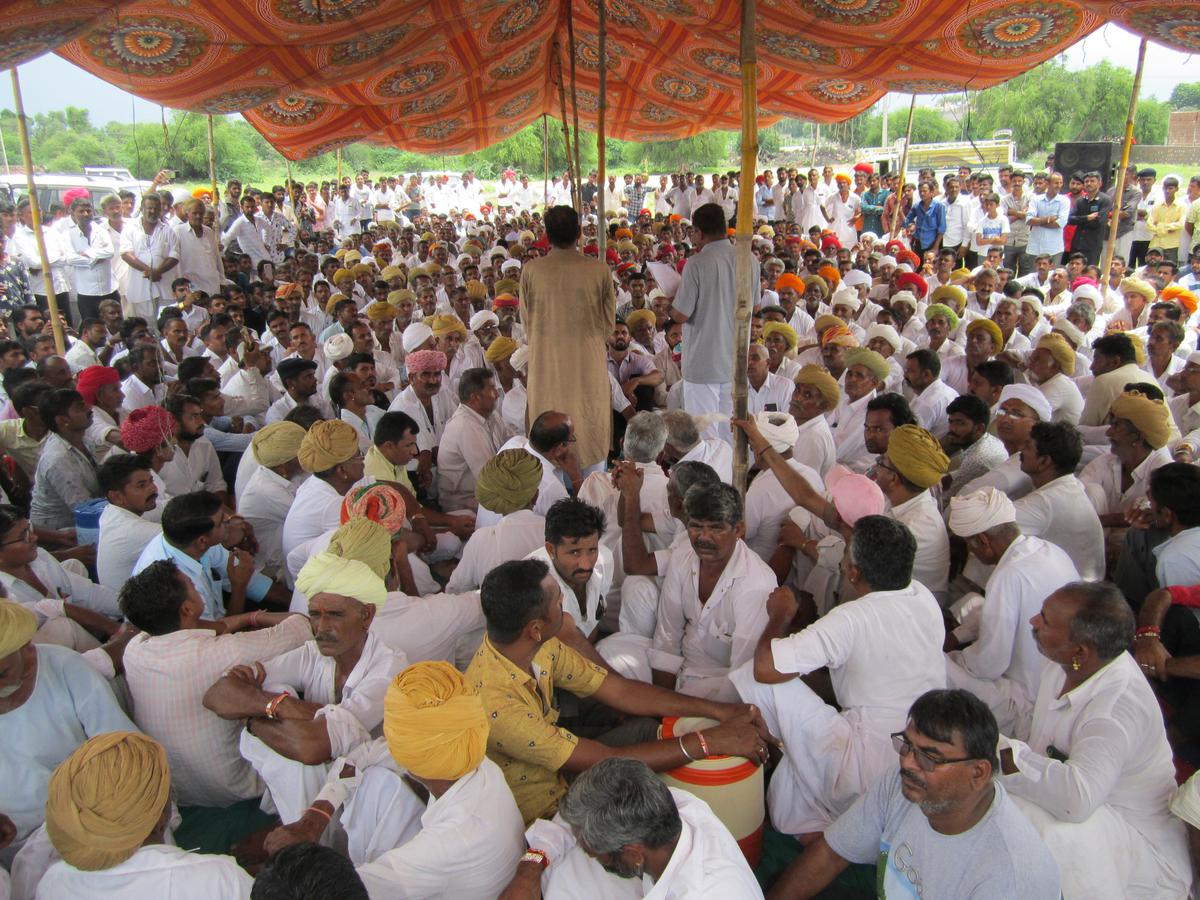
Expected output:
(568, 306)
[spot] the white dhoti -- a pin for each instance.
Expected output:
(639, 604)
(1104, 857)
(829, 758)
(291, 786)
(383, 814)
(702, 399)
(65, 633)
(628, 656)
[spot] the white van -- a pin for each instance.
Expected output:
(51, 187)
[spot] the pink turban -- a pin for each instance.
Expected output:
(379, 503)
(147, 428)
(425, 361)
(91, 379)
(853, 495)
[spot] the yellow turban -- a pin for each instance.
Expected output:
(328, 573)
(444, 325)
(827, 320)
(839, 335)
(341, 276)
(476, 290)
(277, 443)
(823, 382)
(366, 541)
(816, 281)
(508, 481)
(935, 310)
(334, 298)
(17, 626)
(951, 295)
(1151, 418)
(1060, 350)
(991, 328)
(501, 348)
(788, 332)
(1138, 286)
(378, 312)
(871, 361)
(434, 722)
(105, 799)
(352, 256)
(917, 455)
(362, 269)
(640, 315)
(400, 296)
(340, 253)
(507, 286)
(390, 272)
(1139, 347)
(327, 444)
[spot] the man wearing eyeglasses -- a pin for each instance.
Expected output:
(939, 825)
(882, 651)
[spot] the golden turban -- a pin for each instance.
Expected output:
(476, 290)
(379, 312)
(1133, 285)
(782, 328)
(327, 444)
(334, 299)
(17, 627)
(341, 276)
(1062, 352)
(501, 348)
(508, 481)
(991, 328)
(105, 799)
(364, 540)
(1151, 418)
(328, 573)
(871, 361)
(390, 272)
(826, 320)
(917, 455)
(818, 283)
(640, 315)
(400, 296)
(823, 382)
(1139, 347)
(444, 325)
(951, 295)
(434, 722)
(277, 443)
(507, 286)
(360, 269)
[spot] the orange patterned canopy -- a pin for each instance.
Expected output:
(451, 76)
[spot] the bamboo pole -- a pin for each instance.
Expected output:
(339, 165)
(816, 143)
(746, 273)
(1110, 246)
(577, 179)
(212, 163)
(562, 105)
(912, 107)
(601, 221)
(60, 346)
(545, 163)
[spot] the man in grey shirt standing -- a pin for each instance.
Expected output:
(940, 826)
(705, 304)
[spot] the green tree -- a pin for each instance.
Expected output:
(929, 127)
(1185, 96)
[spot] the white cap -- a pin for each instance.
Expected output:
(1030, 396)
(483, 317)
(845, 296)
(887, 261)
(887, 332)
(338, 347)
(415, 335)
(510, 265)
(855, 277)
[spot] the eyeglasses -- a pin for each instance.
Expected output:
(925, 762)
(25, 537)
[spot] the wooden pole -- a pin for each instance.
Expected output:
(1111, 246)
(903, 165)
(747, 272)
(212, 163)
(35, 212)
(577, 179)
(601, 221)
(545, 163)
(816, 143)
(339, 165)
(562, 105)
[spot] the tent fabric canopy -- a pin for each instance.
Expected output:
(451, 76)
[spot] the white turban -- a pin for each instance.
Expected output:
(1033, 302)
(887, 261)
(510, 265)
(497, 251)
(483, 317)
(779, 429)
(887, 332)
(980, 511)
(904, 267)
(1088, 292)
(855, 277)
(905, 297)
(1030, 396)
(415, 335)
(868, 236)
(338, 347)
(520, 358)
(845, 296)
(1070, 332)
(464, 259)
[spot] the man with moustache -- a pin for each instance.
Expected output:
(939, 825)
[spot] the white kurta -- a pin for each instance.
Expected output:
(268, 498)
(815, 447)
(1104, 811)
(883, 650)
(846, 422)
(1061, 513)
(550, 490)
(155, 870)
(514, 537)
(767, 505)
(316, 509)
(123, 537)
(931, 566)
(598, 587)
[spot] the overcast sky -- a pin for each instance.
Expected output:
(43, 80)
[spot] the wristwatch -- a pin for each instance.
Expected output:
(536, 856)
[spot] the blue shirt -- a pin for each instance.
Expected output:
(1178, 559)
(209, 573)
(931, 222)
(1044, 238)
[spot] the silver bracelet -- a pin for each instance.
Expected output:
(684, 749)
